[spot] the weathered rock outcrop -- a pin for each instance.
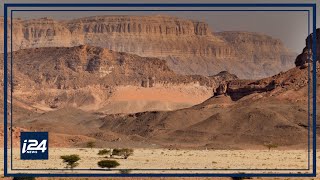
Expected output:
(306, 54)
(88, 76)
(189, 46)
(224, 76)
(293, 79)
(93, 78)
(222, 89)
(149, 36)
(82, 66)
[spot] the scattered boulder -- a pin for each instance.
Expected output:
(224, 76)
(307, 53)
(303, 58)
(152, 81)
(222, 89)
(148, 82)
(145, 83)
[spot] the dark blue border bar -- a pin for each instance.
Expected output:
(164, 169)
(309, 128)
(161, 175)
(234, 169)
(314, 92)
(5, 88)
(163, 5)
(11, 85)
(161, 10)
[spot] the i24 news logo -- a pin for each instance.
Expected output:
(34, 145)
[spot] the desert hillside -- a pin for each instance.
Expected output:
(98, 79)
(228, 121)
(239, 114)
(189, 46)
(120, 99)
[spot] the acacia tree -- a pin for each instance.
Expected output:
(104, 152)
(125, 153)
(71, 160)
(108, 164)
(270, 145)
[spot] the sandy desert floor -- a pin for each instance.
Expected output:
(172, 160)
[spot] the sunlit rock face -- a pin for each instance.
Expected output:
(188, 46)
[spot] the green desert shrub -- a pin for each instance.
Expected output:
(270, 145)
(125, 152)
(104, 152)
(108, 164)
(90, 144)
(71, 160)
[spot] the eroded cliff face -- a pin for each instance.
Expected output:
(258, 46)
(150, 36)
(254, 49)
(89, 77)
(81, 66)
(189, 46)
(306, 54)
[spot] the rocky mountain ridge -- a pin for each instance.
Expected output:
(94, 78)
(81, 66)
(241, 115)
(189, 46)
(306, 55)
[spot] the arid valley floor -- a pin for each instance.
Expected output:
(175, 161)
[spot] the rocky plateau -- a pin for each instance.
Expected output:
(188, 46)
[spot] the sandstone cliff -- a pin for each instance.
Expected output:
(263, 55)
(82, 66)
(189, 46)
(95, 78)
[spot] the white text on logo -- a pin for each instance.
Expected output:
(32, 146)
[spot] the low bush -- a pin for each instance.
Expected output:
(104, 152)
(71, 160)
(125, 153)
(108, 164)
